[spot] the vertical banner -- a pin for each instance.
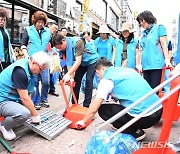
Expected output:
(86, 6)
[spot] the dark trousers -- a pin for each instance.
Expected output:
(52, 87)
(153, 77)
(106, 111)
(90, 71)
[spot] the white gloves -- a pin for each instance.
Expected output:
(80, 124)
(36, 119)
(139, 68)
(66, 77)
(167, 62)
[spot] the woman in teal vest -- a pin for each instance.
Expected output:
(154, 48)
(105, 44)
(6, 51)
(127, 48)
(36, 38)
(122, 83)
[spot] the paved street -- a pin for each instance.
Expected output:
(72, 141)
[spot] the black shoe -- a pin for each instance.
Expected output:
(139, 134)
(45, 104)
(53, 93)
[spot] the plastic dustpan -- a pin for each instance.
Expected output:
(73, 112)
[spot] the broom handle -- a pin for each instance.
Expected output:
(5, 145)
(64, 94)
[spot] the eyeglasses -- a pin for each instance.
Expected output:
(40, 68)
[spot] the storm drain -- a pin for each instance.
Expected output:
(51, 125)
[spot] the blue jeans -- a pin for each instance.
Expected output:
(45, 81)
(90, 71)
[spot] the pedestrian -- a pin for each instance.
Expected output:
(105, 44)
(127, 48)
(36, 38)
(53, 27)
(154, 48)
(16, 87)
(122, 84)
(6, 50)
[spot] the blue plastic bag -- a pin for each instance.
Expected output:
(120, 144)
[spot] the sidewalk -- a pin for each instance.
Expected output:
(73, 141)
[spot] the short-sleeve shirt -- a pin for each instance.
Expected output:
(162, 31)
(19, 78)
(79, 48)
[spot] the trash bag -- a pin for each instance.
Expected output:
(120, 144)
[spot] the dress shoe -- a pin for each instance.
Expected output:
(53, 93)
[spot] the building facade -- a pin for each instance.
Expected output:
(76, 15)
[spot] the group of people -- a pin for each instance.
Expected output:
(114, 61)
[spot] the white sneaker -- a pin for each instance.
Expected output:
(8, 135)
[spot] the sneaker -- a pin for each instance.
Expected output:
(45, 103)
(8, 135)
(37, 106)
(139, 135)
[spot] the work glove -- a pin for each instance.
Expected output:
(36, 119)
(80, 124)
(167, 63)
(139, 68)
(66, 77)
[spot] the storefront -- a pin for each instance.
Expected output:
(20, 13)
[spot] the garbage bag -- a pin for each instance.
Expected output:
(120, 144)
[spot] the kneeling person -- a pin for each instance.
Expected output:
(16, 85)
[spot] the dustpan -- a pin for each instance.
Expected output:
(74, 112)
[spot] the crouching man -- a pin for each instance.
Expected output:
(16, 86)
(127, 86)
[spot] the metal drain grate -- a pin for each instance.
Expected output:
(51, 125)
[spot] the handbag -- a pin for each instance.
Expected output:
(55, 63)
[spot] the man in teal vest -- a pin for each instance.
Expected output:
(127, 86)
(16, 87)
(85, 55)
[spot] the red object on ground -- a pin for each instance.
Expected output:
(74, 112)
(161, 147)
(1, 118)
